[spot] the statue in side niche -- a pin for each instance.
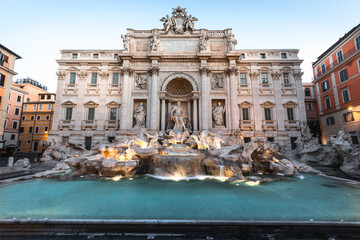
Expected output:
(140, 115)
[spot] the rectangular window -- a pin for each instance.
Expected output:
(40, 107)
(113, 113)
(12, 137)
(357, 43)
(346, 96)
(330, 121)
(32, 117)
(95, 56)
(15, 125)
(17, 111)
(115, 78)
(325, 85)
(2, 80)
(34, 107)
(18, 99)
(310, 106)
(36, 129)
(348, 117)
(268, 114)
(94, 78)
(340, 56)
(38, 117)
(242, 56)
(343, 75)
(9, 95)
(283, 55)
(245, 114)
(74, 56)
(286, 78)
(72, 78)
(5, 123)
(116, 56)
(23, 118)
(262, 55)
(21, 129)
(243, 78)
(264, 78)
(323, 69)
(91, 113)
(25, 106)
(46, 128)
(49, 106)
(68, 113)
(290, 113)
(8, 108)
(270, 139)
(247, 139)
(327, 102)
(47, 117)
(30, 129)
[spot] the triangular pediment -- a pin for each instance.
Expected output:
(68, 103)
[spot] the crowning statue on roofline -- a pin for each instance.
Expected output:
(179, 22)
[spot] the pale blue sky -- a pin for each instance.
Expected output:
(37, 30)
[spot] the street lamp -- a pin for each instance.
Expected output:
(351, 110)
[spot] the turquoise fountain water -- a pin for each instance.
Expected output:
(313, 197)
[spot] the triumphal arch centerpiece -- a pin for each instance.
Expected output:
(179, 78)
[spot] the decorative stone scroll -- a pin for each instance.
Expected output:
(154, 70)
(126, 42)
(61, 75)
(297, 75)
(179, 22)
(204, 70)
(217, 81)
(276, 75)
(83, 75)
(127, 70)
(140, 82)
(230, 71)
(104, 75)
(254, 75)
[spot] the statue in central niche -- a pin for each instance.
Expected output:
(218, 115)
(177, 115)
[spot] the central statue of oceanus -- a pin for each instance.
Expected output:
(177, 115)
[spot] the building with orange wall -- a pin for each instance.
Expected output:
(13, 116)
(337, 84)
(32, 87)
(7, 63)
(310, 101)
(36, 121)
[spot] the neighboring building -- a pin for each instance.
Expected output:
(36, 121)
(32, 87)
(13, 117)
(336, 79)
(7, 63)
(99, 91)
(310, 101)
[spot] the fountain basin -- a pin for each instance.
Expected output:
(312, 198)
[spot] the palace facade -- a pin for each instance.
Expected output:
(101, 92)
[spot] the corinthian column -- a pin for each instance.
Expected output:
(233, 98)
(205, 97)
(125, 103)
(154, 99)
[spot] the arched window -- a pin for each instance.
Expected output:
(307, 92)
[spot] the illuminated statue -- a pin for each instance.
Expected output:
(177, 115)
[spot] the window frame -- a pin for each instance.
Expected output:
(94, 76)
(262, 79)
(19, 111)
(269, 114)
(17, 98)
(309, 91)
(346, 75)
(284, 56)
(326, 102)
(68, 114)
(323, 68)
(262, 55)
(111, 114)
(118, 79)
(72, 79)
(348, 95)
(241, 78)
(17, 124)
(337, 56)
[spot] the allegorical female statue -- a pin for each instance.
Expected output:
(140, 115)
(177, 115)
(218, 115)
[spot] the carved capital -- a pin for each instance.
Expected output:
(127, 71)
(254, 75)
(154, 71)
(230, 71)
(82, 75)
(204, 70)
(297, 75)
(276, 75)
(104, 75)
(61, 75)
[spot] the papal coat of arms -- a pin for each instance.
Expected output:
(179, 22)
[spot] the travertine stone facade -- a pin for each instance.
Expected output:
(158, 68)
